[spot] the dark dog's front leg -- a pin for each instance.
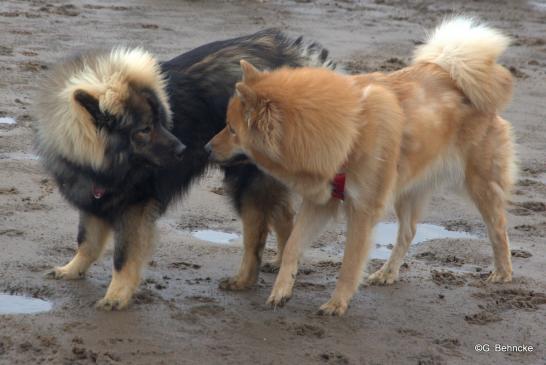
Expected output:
(255, 230)
(93, 234)
(135, 235)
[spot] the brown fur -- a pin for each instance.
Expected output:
(97, 235)
(399, 136)
(66, 127)
(256, 225)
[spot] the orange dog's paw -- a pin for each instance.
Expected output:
(280, 295)
(500, 277)
(382, 277)
(334, 307)
(235, 284)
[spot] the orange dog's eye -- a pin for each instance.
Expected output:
(231, 130)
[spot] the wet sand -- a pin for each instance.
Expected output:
(436, 314)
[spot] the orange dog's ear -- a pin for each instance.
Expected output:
(250, 73)
(260, 113)
(247, 95)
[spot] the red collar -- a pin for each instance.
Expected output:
(97, 191)
(338, 186)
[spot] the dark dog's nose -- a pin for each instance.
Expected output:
(179, 151)
(208, 148)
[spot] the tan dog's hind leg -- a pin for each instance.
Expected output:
(255, 232)
(135, 236)
(359, 227)
(310, 222)
(408, 209)
(489, 198)
(92, 237)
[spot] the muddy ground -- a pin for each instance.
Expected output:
(436, 314)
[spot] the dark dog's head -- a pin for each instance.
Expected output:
(107, 110)
(140, 130)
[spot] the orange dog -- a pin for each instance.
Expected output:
(396, 136)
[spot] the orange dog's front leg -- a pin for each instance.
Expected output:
(310, 222)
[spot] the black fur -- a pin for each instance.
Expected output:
(200, 83)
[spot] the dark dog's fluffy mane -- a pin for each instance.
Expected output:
(65, 128)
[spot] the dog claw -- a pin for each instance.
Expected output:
(280, 296)
(109, 305)
(334, 307)
(380, 277)
(274, 302)
(234, 284)
(58, 273)
(499, 277)
(51, 274)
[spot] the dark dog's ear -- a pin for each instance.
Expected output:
(90, 103)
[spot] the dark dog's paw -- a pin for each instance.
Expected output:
(63, 273)
(108, 305)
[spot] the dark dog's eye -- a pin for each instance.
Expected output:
(142, 135)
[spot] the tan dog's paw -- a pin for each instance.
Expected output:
(382, 277)
(111, 303)
(333, 307)
(62, 272)
(235, 284)
(280, 295)
(500, 277)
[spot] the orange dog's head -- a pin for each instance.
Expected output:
(292, 122)
(251, 125)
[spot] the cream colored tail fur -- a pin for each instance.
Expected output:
(468, 50)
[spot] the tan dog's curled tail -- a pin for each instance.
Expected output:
(468, 50)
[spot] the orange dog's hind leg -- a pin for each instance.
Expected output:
(489, 176)
(489, 198)
(409, 207)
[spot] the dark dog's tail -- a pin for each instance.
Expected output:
(313, 54)
(271, 48)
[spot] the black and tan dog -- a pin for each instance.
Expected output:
(123, 136)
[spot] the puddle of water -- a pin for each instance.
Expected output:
(385, 234)
(538, 5)
(215, 236)
(7, 120)
(19, 156)
(18, 304)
